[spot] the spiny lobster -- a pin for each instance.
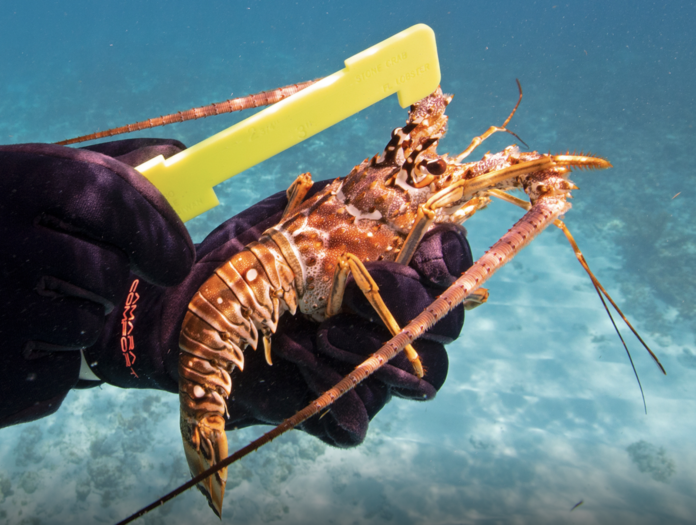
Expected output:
(380, 211)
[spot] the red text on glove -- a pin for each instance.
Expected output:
(127, 340)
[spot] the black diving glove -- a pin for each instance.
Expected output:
(74, 224)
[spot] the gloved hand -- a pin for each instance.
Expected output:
(308, 358)
(73, 225)
(138, 346)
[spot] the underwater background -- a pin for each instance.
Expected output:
(540, 410)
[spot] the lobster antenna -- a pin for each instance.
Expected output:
(597, 285)
(494, 129)
(599, 288)
(616, 329)
(514, 110)
(264, 98)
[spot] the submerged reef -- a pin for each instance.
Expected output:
(651, 460)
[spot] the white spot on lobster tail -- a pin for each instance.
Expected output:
(198, 391)
(251, 275)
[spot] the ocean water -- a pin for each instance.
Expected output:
(540, 409)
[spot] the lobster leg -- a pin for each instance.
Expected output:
(444, 199)
(425, 218)
(297, 192)
(350, 263)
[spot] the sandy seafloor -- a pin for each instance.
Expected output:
(540, 409)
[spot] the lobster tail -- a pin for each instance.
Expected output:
(244, 296)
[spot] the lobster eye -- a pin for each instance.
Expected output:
(436, 167)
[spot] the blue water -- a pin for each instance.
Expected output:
(540, 409)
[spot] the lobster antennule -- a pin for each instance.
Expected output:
(581, 161)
